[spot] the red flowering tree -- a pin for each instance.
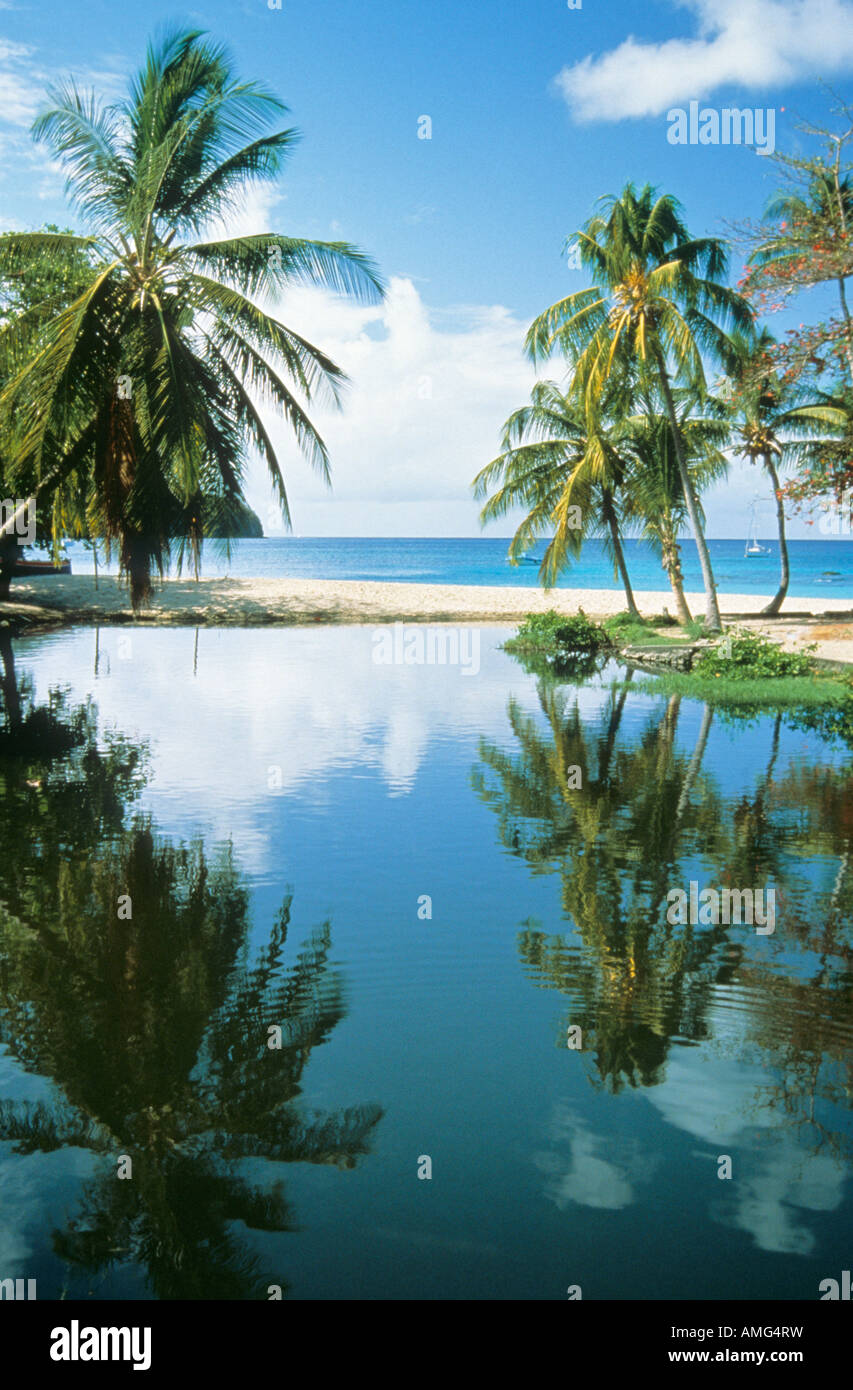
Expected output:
(804, 241)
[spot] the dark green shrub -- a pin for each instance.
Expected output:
(558, 636)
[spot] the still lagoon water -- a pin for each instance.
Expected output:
(283, 930)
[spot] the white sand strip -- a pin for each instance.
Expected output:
(273, 601)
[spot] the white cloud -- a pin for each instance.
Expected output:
(20, 84)
(23, 93)
(253, 216)
(750, 43)
(429, 392)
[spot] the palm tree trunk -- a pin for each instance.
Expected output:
(677, 587)
(8, 556)
(136, 564)
(672, 565)
(773, 607)
(610, 517)
(713, 621)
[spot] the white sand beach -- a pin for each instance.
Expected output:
(230, 601)
(251, 601)
(66, 599)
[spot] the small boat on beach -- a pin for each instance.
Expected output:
(25, 567)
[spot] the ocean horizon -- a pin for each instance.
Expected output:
(819, 568)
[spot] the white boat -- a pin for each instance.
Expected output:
(752, 546)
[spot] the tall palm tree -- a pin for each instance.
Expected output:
(658, 301)
(760, 401)
(151, 379)
(655, 493)
(561, 460)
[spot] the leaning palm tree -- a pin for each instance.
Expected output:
(152, 379)
(658, 302)
(561, 462)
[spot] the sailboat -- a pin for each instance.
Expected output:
(752, 546)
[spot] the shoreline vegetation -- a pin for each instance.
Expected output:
(741, 672)
(744, 669)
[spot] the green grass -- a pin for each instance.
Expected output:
(747, 671)
(624, 629)
(758, 692)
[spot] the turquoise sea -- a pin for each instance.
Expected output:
(819, 568)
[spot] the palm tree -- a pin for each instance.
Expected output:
(561, 460)
(778, 420)
(150, 379)
(655, 493)
(658, 302)
(758, 398)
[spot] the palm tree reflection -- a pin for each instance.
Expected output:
(646, 817)
(126, 976)
(614, 841)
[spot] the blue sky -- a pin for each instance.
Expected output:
(536, 111)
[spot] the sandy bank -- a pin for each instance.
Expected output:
(67, 599)
(213, 602)
(284, 601)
